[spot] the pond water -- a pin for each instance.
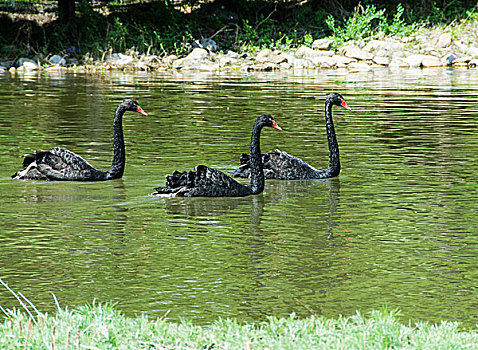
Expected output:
(397, 228)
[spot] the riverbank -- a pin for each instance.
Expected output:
(101, 326)
(406, 46)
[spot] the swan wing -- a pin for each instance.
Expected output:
(277, 165)
(56, 164)
(203, 181)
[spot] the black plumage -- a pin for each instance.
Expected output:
(60, 164)
(283, 166)
(208, 182)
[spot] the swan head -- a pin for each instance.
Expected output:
(336, 99)
(266, 120)
(131, 105)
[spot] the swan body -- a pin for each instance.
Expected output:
(204, 181)
(60, 164)
(283, 166)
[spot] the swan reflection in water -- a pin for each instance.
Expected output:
(276, 193)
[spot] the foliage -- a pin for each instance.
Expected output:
(367, 22)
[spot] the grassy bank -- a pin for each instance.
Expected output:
(101, 326)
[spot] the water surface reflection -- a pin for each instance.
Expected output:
(395, 228)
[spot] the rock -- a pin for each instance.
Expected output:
(398, 63)
(464, 59)
(386, 45)
(169, 60)
(300, 63)
(359, 54)
(321, 44)
(225, 60)
(73, 62)
(444, 40)
(192, 61)
(305, 52)
(431, 61)
(263, 67)
(448, 60)
(56, 59)
(468, 50)
(27, 64)
(381, 60)
(207, 44)
(119, 60)
(151, 60)
(414, 60)
(343, 61)
(325, 61)
(473, 51)
(359, 66)
(473, 63)
(267, 55)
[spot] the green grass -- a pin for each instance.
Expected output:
(101, 326)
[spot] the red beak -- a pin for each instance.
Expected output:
(345, 105)
(274, 125)
(140, 110)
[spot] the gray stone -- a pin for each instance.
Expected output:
(431, 61)
(119, 60)
(169, 60)
(381, 60)
(207, 44)
(56, 59)
(414, 60)
(28, 63)
(464, 59)
(444, 40)
(28, 66)
(267, 55)
(398, 63)
(343, 61)
(305, 52)
(194, 60)
(73, 62)
(387, 45)
(359, 54)
(473, 63)
(359, 66)
(325, 61)
(321, 44)
(448, 60)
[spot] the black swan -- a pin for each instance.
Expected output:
(208, 182)
(283, 166)
(60, 164)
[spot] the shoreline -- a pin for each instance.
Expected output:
(426, 48)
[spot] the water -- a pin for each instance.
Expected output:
(396, 228)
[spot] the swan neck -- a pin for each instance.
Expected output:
(334, 157)
(257, 173)
(119, 157)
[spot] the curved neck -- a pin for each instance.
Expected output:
(257, 173)
(119, 157)
(334, 158)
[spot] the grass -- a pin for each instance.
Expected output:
(102, 326)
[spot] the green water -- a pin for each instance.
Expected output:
(398, 227)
